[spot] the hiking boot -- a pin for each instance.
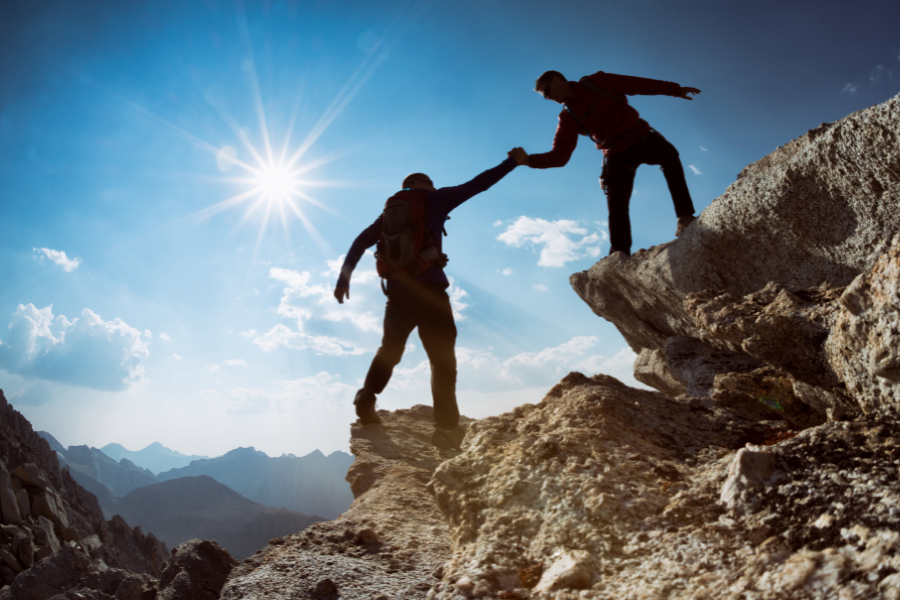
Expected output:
(683, 223)
(365, 407)
(448, 438)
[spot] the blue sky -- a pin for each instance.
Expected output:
(142, 308)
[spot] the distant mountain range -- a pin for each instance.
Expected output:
(314, 484)
(241, 499)
(311, 484)
(200, 507)
(155, 457)
(92, 468)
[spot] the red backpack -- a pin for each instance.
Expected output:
(406, 247)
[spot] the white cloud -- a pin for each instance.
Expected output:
(280, 335)
(850, 88)
(148, 334)
(236, 362)
(165, 337)
(88, 351)
(702, 149)
(555, 238)
(212, 367)
(574, 347)
(59, 257)
(499, 223)
(876, 74)
(304, 301)
(322, 389)
(456, 294)
(540, 287)
(694, 170)
(507, 271)
(177, 356)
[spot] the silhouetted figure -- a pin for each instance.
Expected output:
(416, 294)
(596, 106)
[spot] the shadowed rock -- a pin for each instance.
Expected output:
(197, 570)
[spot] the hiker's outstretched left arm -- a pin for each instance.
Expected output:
(449, 198)
(366, 239)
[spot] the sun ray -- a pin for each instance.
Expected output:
(249, 66)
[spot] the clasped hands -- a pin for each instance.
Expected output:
(520, 156)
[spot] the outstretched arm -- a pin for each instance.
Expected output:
(366, 239)
(688, 90)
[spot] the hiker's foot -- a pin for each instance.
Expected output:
(365, 407)
(683, 223)
(448, 438)
(613, 250)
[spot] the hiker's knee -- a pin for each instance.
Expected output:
(391, 353)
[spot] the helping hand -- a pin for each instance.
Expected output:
(688, 90)
(341, 292)
(520, 156)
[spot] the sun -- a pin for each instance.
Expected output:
(277, 183)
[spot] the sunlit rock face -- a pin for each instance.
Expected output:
(548, 496)
(391, 544)
(604, 491)
(822, 208)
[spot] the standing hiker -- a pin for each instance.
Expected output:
(596, 106)
(410, 257)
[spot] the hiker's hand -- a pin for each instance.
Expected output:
(520, 156)
(341, 292)
(688, 90)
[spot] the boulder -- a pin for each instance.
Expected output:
(10, 560)
(32, 475)
(44, 531)
(24, 504)
(197, 569)
(23, 548)
(9, 506)
(54, 575)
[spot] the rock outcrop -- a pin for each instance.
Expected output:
(392, 543)
(822, 208)
(196, 570)
(43, 510)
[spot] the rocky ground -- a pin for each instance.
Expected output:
(391, 544)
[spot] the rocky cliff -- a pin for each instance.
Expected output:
(43, 508)
(766, 466)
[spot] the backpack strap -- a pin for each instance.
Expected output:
(601, 93)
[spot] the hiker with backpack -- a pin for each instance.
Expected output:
(596, 106)
(409, 256)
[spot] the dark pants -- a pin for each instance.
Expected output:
(426, 306)
(619, 174)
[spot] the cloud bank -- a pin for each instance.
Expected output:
(88, 352)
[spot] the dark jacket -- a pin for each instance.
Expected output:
(439, 204)
(614, 125)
